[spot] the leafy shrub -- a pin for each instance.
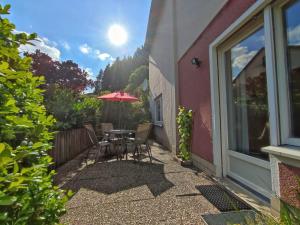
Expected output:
(184, 121)
(60, 104)
(88, 109)
(136, 79)
(27, 195)
(71, 110)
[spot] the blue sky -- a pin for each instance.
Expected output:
(70, 28)
(244, 51)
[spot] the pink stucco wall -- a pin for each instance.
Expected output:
(289, 184)
(194, 83)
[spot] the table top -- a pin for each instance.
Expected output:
(120, 131)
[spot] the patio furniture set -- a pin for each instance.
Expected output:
(120, 142)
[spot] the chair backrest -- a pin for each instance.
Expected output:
(105, 127)
(143, 132)
(92, 134)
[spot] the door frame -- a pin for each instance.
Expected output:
(220, 153)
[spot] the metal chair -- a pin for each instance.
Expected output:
(111, 138)
(98, 144)
(141, 140)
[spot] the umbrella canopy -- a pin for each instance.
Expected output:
(119, 96)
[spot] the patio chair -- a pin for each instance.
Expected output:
(141, 140)
(106, 127)
(115, 141)
(98, 144)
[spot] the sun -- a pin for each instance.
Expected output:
(117, 35)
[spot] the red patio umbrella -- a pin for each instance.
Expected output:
(119, 96)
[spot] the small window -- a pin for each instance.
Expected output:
(158, 110)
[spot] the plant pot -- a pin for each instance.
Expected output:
(186, 162)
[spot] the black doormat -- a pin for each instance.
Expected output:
(221, 198)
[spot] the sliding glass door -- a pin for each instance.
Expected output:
(245, 106)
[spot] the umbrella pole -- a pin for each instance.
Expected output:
(120, 116)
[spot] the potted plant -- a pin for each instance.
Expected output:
(184, 121)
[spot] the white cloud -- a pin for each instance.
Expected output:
(47, 41)
(85, 49)
(241, 56)
(44, 45)
(65, 45)
(294, 35)
(89, 71)
(103, 56)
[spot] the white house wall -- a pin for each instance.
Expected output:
(168, 44)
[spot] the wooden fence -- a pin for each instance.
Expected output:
(68, 144)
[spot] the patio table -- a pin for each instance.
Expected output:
(121, 135)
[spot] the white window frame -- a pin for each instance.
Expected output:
(278, 133)
(282, 76)
(158, 122)
(219, 152)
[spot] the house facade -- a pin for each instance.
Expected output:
(170, 34)
(245, 92)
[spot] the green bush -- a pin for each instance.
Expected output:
(72, 110)
(88, 109)
(184, 121)
(27, 195)
(60, 104)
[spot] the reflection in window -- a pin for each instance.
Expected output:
(247, 96)
(292, 30)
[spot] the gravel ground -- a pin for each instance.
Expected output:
(127, 192)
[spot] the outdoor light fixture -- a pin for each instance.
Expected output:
(196, 61)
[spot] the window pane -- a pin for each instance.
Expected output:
(247, 96)
(158, 105)
(292, 30)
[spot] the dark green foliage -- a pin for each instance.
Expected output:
(115, 77)
(136, 80)
(127, 74)
(72, 110)
(98, 82)
(184, 121)
(27, 195)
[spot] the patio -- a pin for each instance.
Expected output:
(127, 192)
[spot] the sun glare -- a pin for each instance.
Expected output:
(117, 35)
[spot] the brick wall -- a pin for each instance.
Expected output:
(289, 184)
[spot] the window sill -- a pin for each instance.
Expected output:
(286, 151)
(158, 124)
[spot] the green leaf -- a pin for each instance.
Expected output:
(7, 200)
(16, 168)
(3, 216)
(2, 147)
(5, 160)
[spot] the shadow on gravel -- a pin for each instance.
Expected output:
(115, 176)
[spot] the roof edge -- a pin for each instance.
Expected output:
(154, 17)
